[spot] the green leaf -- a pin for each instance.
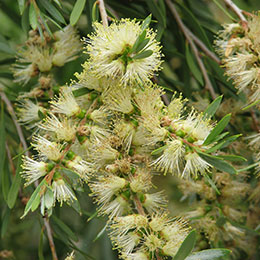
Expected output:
(40, 247)
(53, 11)
(33, 16)
(186, 247)
(5, 221)
(13, 192)
(76, 12)
(138, 41)
(100, 233)
(217, 129)
(95, 12)
(211, 183)
(64, 228)
(146, 22)
(4, 47)
(229, 140)
(193, 66)
(142, 44)
(143, 54)
(251, 105)
(157, 12)
(212, 108)
(158, 150)
(217, 162)
(3, 173)
(233, 158)
(21, 4)
(80, 92)
(212, 254)
(34, 197)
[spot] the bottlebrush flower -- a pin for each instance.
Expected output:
(66, 46)
(112, 55)
(33, 170)
(62, 192)
(65, 103)
(63, 127)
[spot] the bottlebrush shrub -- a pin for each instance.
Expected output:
(111, 130)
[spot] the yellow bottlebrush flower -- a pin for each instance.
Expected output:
(24, 72)
(155, 201)
(40, 55)
(171, 159)
(65, 103)
(194, 165)
(141, 180)
(64, 128)
(176, 107)
(62, 192)
(47, 149)
(118, 98)
(28, 112)
(67, 44)
(111, 53)
(33, 170)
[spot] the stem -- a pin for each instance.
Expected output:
(10, 158)
(186, 33)
(139, 206)
(103, 12)
(50, 238)
(25, 147)
(204, 48)
(236, 10)
(14, 118)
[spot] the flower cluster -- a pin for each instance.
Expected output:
(239, 48)
(110, 129)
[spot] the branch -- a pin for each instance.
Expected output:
(50, 238)
(25, 147)
(103, 12)
(203, 47)
(236, 10)
(186, 33)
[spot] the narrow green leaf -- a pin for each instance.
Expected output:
(211, 183)
(230, 140)
(146, 22)
(158, 150)
(13, 192)
(53, 11)
(51, 20)
(233, 158)
(249, 167)
(143, 54)
(92, 216)
(193, 66)
(224, 10)
(217, 162)
(6, 49)
(95, 12)
(45, 25)
(21, 4)
(157, 12)
(80, 92)
(33, 197)
(217, 129)
(212, 254)
(5, 221)
(76, 12)
(3, 173)
(142, 45)
(251, 105)
(40, 247)
(36, 202)
(25, 20)
(33, 16)
(64, 228)
(186, 247)
(100, 233)
(139, 39)
(212, 108)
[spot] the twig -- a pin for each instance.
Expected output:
(236, 10)
(208, 84)
(204, 48)
(25, 147)
(50, 238)
(14, 118)
(103, 12)
(10, 158)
